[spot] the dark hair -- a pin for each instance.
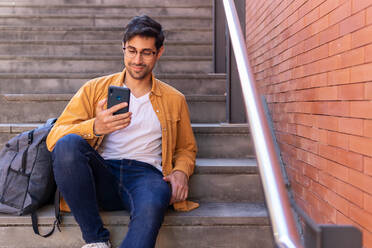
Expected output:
(144, 26)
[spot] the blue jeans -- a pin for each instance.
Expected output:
(88, 183)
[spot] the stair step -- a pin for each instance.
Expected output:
(40, 107)
(100, 20)
(96, 48)
(213, 140)
(226, 180)
(105, 64)
(222, 225)
(96, 33)
(129, 9)
(53, 83)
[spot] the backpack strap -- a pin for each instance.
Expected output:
(57, 221)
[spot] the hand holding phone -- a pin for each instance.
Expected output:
(106, 120)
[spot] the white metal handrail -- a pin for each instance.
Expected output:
(282, 219)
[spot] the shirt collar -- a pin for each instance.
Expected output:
(154, 89)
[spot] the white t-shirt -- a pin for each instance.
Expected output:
(141, 140)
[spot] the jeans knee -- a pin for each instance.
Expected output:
(67, 150)
(66, 146)
(152, 210)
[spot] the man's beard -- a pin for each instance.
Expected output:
(140, 75)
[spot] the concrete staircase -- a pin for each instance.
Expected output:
(49, 48)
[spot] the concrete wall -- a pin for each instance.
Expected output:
(313, 61)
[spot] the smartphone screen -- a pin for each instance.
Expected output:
(118, 95)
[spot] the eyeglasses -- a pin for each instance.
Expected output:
(146, 54)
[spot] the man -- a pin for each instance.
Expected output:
(139, 161)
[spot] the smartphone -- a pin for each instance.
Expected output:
(118, 95)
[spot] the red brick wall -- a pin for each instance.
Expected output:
(313, 61)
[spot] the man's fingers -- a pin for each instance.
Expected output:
(101, 105)
(185, 194)
(120, 117)
(117, 107)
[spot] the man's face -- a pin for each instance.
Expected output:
(140, 56)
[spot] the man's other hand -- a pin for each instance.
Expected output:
(180, 187)
(106, 122)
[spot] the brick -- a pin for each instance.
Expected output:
(302, 155)
(304, 131)
(327, 211)
(330, 64)
(312, 68)
(368, 54)
(331, 33)
(317, 216)
(311, 199)
(327, 122)
(350, 126)
(368, 166)
(319, 80)
(322, 136)
(353, 57)
(304, 107)
(353, 23)
(341, 219)
(337, 170)
(340, 45)
(340, 13)
(313, 55)
(360, 180)
(297, 188)
(341, 156)
(361, 145)
(337, 202)
(338, 108)
(311, 42)
(357, 5)
(304, 119)
(367, 128)
(312, 16)
(326, 93)
(308, 145)
(351, 92)
(319, 25)
(367, 239)
(368, 202)
(311, 172)
(361, 109)
(362, 217)
(361, 37)
(298, 72)
(339, 77)
(361, 73)
(327, 7)
(350, 193)
(318, 189)
(317, 161)
(338, 139)
(369, 15)
(320, 108)
(344, 189)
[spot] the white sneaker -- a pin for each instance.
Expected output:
(98, 245)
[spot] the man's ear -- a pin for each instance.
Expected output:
(160, 52)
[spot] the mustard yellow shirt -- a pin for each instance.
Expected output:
(178, 142)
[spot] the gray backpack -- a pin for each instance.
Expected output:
(26, 174)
